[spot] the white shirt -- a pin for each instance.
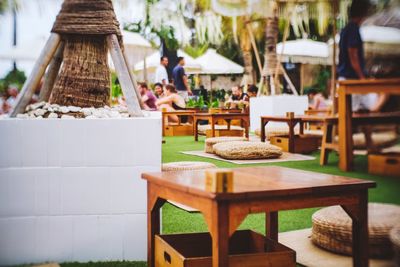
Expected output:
(161, 74)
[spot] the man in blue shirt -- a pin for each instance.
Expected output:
(351, 57)
(180, 79)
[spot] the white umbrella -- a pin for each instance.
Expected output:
(26, 51)
(213, 63)
(379, 34)
(304, 51)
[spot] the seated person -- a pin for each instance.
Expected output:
(252, 91)
(148, 97)
(317, 99)
(171, 102)
(159, 90)
(237, 97)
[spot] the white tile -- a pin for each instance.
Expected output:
(4, 192)
(105, 140)
(128, 190)
(135, 237)
(17, 240)
(55, 190)
(20, 192)
(111, 234)
(10, 149)
(73, 143)
(42, 238)
(85, 244)
(42, 191)
(33, 143)
(54, 143)
(85, 190)
(148, 142)
(60, 238)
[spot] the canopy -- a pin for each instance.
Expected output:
(213, 63)
(27, 51)
(304, 51)
(135, 39)
(153, 61)
(379, 34)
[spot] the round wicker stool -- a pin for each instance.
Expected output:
(210, 142)
(187, 166)
(395, 238)
(332, 229)
(246, 150)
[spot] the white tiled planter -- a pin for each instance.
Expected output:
(276, 105)
(70, 190)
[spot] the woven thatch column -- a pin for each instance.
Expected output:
(84, 79)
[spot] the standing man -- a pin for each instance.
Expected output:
(161, 71)
(180, 79)
(351, 57)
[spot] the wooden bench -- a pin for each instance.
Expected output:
(345, 91)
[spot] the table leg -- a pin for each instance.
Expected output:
(219, 229)
(212, 127)
(291, 136)
(246, 128)
(163, 123)
(345, 131)
(263, 124)
(301, 127)
(359, 215)
(153, 223)
(196, 129)
(228, 121)
(271, 225)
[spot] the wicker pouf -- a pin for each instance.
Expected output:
(210, 142)
(395, 238)
(275, 131)
(246, 150)
(187, 166)
(203, 128)
(332, 229)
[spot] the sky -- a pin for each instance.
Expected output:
(35, 20)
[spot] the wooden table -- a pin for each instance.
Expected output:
(178, 113)
(256, 190)
(345, 90)
(213, 118)
(291, 122)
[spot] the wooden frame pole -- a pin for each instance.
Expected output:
(122, 71)
(133, 79)
(52, 73)
(253, 44)
(36, 75)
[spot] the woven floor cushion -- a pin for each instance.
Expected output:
(187, 166)
(379, 139)
(203, 128)
(210, 142)
(332, 229)
(395, 238)
(246, 150)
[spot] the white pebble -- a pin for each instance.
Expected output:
(91, 117)
(67, 117)
(22, 116)
(64, 109)
(53, 116)
(74, 108)
(39, 112)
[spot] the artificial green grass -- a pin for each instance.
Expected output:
(176, 220)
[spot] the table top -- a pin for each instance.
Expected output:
(179, 112)
(256, 182)
(222, 115)
(370, 81)
(281, 118)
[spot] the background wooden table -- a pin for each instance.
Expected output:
(256, 190)
(213, 118)
(291, 122)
